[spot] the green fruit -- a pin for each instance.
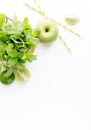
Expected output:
(48, 30)
(72, 20)
(22, 75)
(19, 77)
(5, 79)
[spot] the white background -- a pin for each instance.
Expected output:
(58, 95)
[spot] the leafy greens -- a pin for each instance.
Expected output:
(17, 40)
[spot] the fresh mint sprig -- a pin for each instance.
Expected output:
(17, 43)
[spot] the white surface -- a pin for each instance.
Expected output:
(58, 95)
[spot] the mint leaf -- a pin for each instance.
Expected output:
(12, 61)
(12, 53)
(15, 27)
(30, 57)
(2, 20)
(26, 20)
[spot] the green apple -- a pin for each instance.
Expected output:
(48, 30)
(72, 19)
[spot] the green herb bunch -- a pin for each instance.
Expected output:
(17, 43)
